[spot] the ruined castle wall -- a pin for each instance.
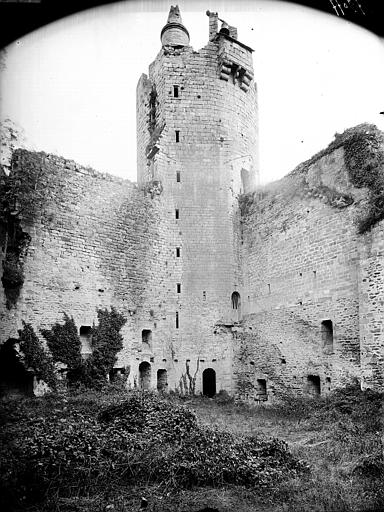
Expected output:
(302, 266)
(372, 308)
(94, 242)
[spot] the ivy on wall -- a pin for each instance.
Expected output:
(22, 194)
(363, 148)
(64, 342)
(65, 347)
(107, 341)
(364, 159)
(35, 357)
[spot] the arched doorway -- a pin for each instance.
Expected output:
(209, 382)
(144, 375)
(14, 378)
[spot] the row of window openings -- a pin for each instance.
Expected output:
(313, 387)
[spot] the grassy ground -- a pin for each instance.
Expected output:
(340, 438)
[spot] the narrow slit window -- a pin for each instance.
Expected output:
(177, 252)
(269, 289)
(177, 213)
(178, 287)
(175, 91)
(327, 335)
(177, 135)
(178, 176)
(177, 319)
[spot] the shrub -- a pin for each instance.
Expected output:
(35, 357)
(64, 342)
(107, 341)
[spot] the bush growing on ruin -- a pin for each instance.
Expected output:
(107, 341)
(364, 159)
(35, 357)
(64, 342)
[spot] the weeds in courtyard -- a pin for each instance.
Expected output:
(94, 449)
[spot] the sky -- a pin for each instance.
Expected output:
(72, 85)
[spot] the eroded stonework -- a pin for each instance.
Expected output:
(259, 293)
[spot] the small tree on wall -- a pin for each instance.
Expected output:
(35, 357)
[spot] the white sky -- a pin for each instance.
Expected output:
(72, 85)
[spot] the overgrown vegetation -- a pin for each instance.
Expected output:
(35, 356)
(22, 194)
(57, 449)
(364, 158)
(97, 450)
(64, 342)
(107, 341)
(65, 347)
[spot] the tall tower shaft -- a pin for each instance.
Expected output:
(197, 136)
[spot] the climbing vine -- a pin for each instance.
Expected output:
(35, 357)
(107, 341)
(364, 159)
(65, 347)
(22, 194)
(64, 342)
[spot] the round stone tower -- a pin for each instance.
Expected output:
(197, 135)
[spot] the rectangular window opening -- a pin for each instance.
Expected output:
(177, 252)
(177, 134)
(175, 91)
(178, 176)
(269, 289)
(327, 335)
(177, 213)
(178, 287)
(177, 319)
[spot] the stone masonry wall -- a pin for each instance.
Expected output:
(301, 255)
(196, 144)
(371, 295)
(94, 244)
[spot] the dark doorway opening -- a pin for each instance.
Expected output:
(209, 382)
(261, 390)
(144, 375)
(162, 380)
(146, 336)
(14, 378)
(313, 385)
